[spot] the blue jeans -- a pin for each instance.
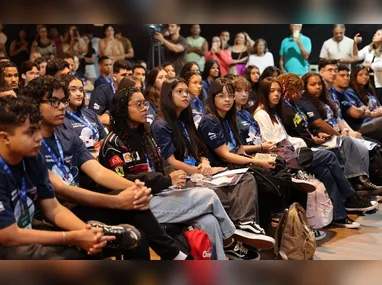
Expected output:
(354, 157)
(326, 168)
(198, 206)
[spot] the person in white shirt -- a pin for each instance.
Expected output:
(3, 40)
(260, 57)
(372, 59)
(340, 47)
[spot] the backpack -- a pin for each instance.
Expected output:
(294, 239)
(199, 242)
(375, 167)
(319, 209)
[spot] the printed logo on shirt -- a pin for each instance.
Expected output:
(1, 207)
(212, 136)
(96, 106)
(119, 171)
(296, 120)
(310, 114)
(127, 157)
(115, 161)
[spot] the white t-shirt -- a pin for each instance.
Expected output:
(367, 56)
(275, 133)
(3, 40)
(333, 50)
(262, 62)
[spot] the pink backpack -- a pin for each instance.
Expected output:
(319, 210)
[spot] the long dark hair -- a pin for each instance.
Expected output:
(268, 72)
(254, 85)
(151, 94)
(195, 146)
(207, 67)
(263, 99)
(135, 140)
(216, 88)
(187, 68)
(361, 91)
(324, 97)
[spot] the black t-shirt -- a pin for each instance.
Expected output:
(101, 98)
(74, 151)
(177, 59)
(212, 133)
(38, 187)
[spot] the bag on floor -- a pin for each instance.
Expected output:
(375, 167)
(199, 242)
(319, 209)
(294, 239)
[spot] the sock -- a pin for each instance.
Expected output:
(180, 256)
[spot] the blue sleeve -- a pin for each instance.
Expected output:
(7, 217)
(211, 132)
(307, 44)
(162, 134)
(282, 48)
(82, 153)
(309, 110)
(345, 102)
(98, 101)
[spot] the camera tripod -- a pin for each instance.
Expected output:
(155, 57)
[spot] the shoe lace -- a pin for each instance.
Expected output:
(257, 227)
(239, 247)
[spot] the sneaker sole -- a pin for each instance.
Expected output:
(254, 240)
(234, 257)
(372, 207)
(304, 186)
(354, 225)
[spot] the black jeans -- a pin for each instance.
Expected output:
(151, 231)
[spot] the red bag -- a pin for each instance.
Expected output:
(199, 242)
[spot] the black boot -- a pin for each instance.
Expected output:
(364, 186)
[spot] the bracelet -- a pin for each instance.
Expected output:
(64, 237)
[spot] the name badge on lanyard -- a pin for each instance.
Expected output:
(24, 220)
(232, 143)
(188, 159)
(63, 171)
(86, 123)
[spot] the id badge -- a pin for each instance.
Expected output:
(24, 220)
(190, 161)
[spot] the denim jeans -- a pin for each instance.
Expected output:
(198, 206)
(326, 168)
(372, 129)
(354, 157)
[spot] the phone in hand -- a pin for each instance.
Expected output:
(296, 33)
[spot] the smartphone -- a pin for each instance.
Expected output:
(296, 33)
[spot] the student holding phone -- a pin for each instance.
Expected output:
(295, 51)
(223, 57)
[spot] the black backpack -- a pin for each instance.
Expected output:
(375, 167)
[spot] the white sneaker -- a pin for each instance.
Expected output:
(319, 235)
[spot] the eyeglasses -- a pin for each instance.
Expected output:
(140, 105)
(55, 102)
(74, 89)
(222, 96)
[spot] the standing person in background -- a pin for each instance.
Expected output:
(3, 41)
(175, 48)
(372, 60)
(239, 54)
(43, 45)
(340, 47)
(222, 57)
(197, 47)
(224, 39)
(73, 43)
(260, 56)
(295, 51)
(58, 40)
(19, 50)
(127, 46)
(111, 47)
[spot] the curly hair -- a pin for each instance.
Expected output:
(55, 65)
(362, 92)
(139, 140)
(42, 86)
(290, 83)
(15, 111)
(324, 97)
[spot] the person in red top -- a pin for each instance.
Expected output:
(223, 57)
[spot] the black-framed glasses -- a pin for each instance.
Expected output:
(140, 105)
(55, 102)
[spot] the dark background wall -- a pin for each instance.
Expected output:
(273, 34)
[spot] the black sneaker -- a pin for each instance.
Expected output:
(364, 186)
(319, 235)
(347, 223)
(357, 203)
(126, 236)
(252, 234)
(238, 251)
